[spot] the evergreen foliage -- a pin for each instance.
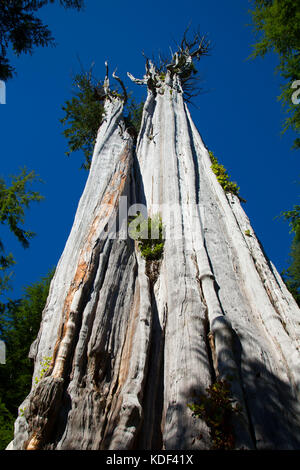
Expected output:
(277, 28)
(20, 28)
(14, 199)
(223, 177)
(6, 426)
(216, 409)
(291, 275)
(19, 325)
(150, 236)
(84, 114)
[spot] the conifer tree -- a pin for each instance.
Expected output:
(15, 199)
(21, 29)
(277, 28)
(19, 324)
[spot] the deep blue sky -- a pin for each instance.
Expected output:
(239, 117)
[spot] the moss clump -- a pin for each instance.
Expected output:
(216, 409)
(223, 177)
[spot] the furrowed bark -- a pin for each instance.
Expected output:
(133, 342)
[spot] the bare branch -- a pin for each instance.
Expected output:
(106, 66)
(106, 80)
(202, 49)
(125, 96)
(184, 40)
(138, 81)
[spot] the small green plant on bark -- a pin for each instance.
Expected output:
(149, 235)
(216, 409)
(223, 177)
(7, 420)
(45, 364)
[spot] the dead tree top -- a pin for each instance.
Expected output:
(181, 64)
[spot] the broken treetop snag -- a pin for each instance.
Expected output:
(178, 71)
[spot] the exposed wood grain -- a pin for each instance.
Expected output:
(129, 354)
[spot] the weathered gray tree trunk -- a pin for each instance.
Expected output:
(130, 351)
